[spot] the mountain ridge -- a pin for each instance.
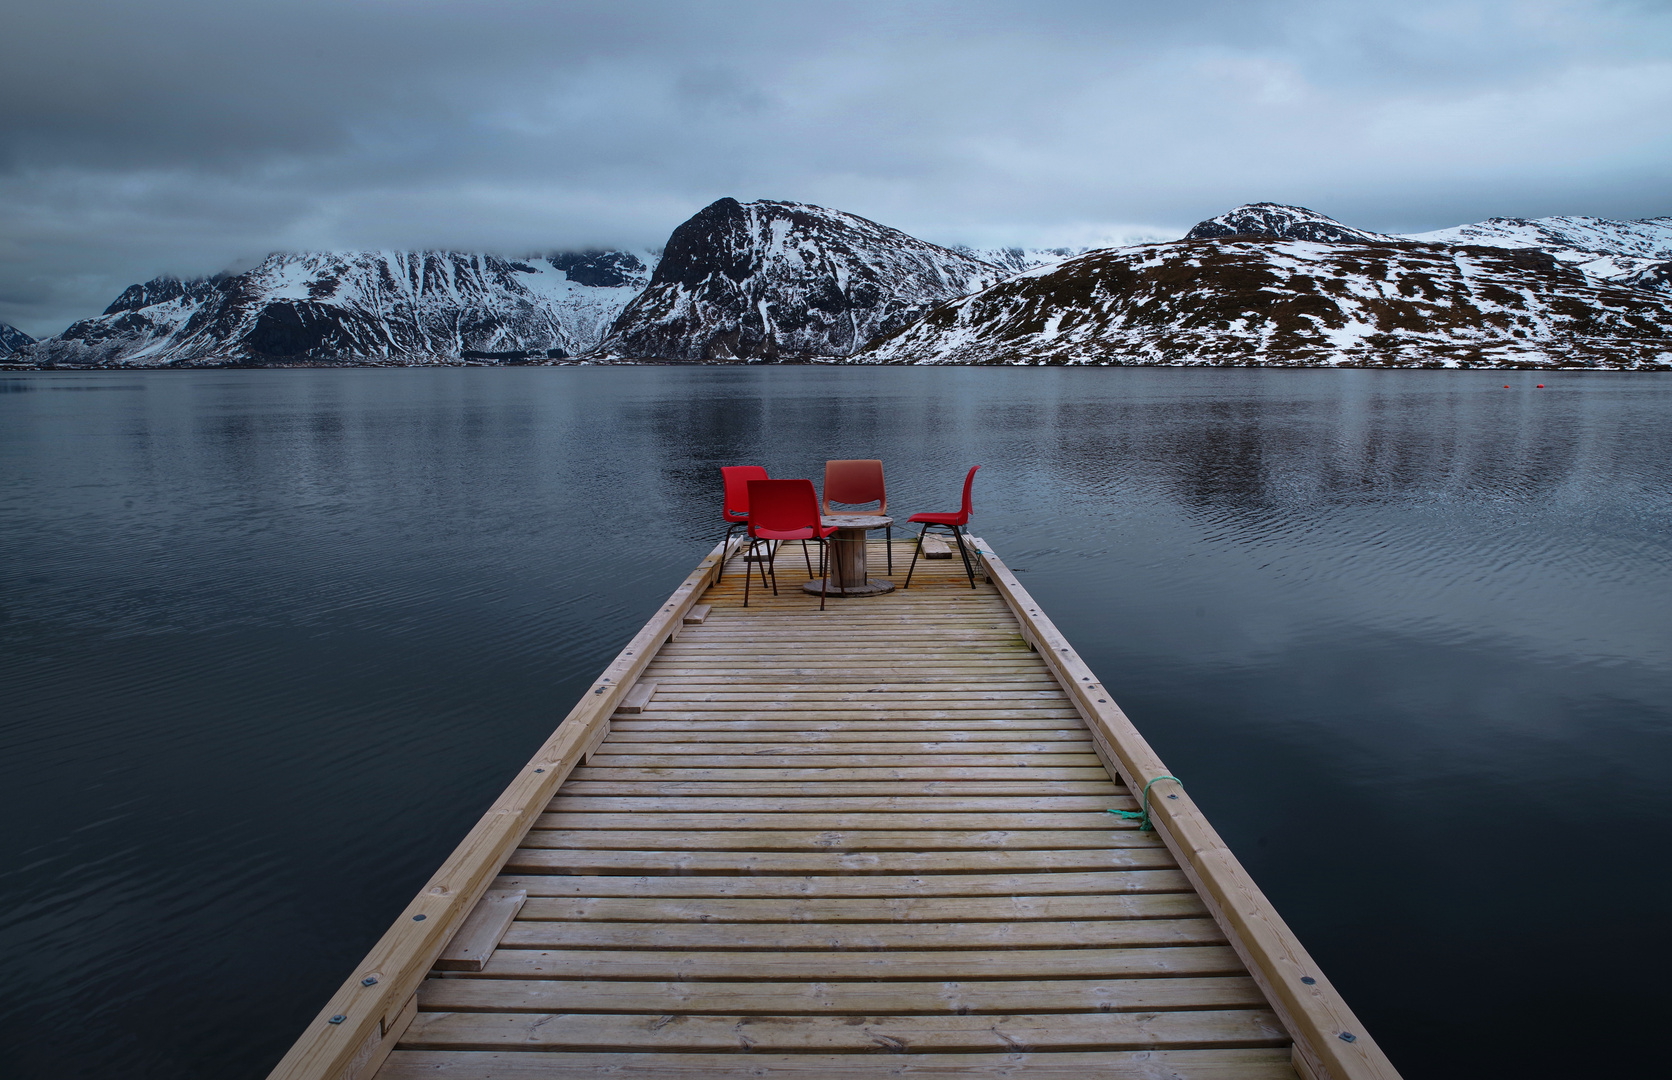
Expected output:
(1279, 221)
(1247, 300)
(781, 281)
(365, 306)
(12, 339)
(770, 280)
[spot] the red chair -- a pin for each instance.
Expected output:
(955, 522)
(734, 509)
(858, 481)
(782, 510)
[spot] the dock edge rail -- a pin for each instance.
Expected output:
(1329, 1041)
(360, 1024)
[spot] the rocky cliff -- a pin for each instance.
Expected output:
(1275, 221)
(12, 338)
(780, 280)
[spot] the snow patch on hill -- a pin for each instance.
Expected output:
(1634, 253)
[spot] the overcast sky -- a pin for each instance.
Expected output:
(190, 136)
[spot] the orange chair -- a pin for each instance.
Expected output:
(858, 481)
(955, 522)
(782, 510)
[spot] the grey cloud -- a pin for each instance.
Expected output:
(184, 136)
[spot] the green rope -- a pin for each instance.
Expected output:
(1142, 816)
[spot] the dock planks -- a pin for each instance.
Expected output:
(869, 841)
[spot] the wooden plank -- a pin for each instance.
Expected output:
(583, 861)
(481, 931)
(971, 909)
(1023, 728)
(840, 637)
(1010, 736)
(697, 615)
(829, 839)
(802, 712)
(895, 965)
(833, 998)
(1008, 883)
(796, 667)
(990, 617)
(700, 746)
(1121, 831)
(638, 698)
(812, 680)
(730, 616)
(874, 937)
(834, 680)
(608, 758)
(816, 678)
(806, 773)
(801, 802)
(380, 1042)
(1238, 1064)
(843, 645)
(1313, 1011)
(850, 652)
(673, 785)
(819, 1034)
(402, 957)
(946, 695)
(824, 671)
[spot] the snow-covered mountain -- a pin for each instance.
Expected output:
(1635, 253)
(1275, 221)
(1264, 283)
(779, 280)
(12, 338)
(1016, 260)
(1650, 238)
(1248, 300)
(362, 307)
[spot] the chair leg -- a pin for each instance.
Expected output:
(772, 565)
(808, 559)
(914, 556)
(824, 586)
(720, 575)
(760, 563)
(748, 574)
(958, 536)
(888, 546)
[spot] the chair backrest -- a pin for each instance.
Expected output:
(735, 508)
(854, 481)
(969, 482)
(783, 505)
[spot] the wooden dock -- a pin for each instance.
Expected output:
(872, 841)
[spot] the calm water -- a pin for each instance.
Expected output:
(271, 641)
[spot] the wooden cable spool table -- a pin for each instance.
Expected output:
(849, 575)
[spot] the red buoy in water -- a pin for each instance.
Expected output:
(1541, 386)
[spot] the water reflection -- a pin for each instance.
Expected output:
(271, 640)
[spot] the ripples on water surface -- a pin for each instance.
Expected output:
(271, 641)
